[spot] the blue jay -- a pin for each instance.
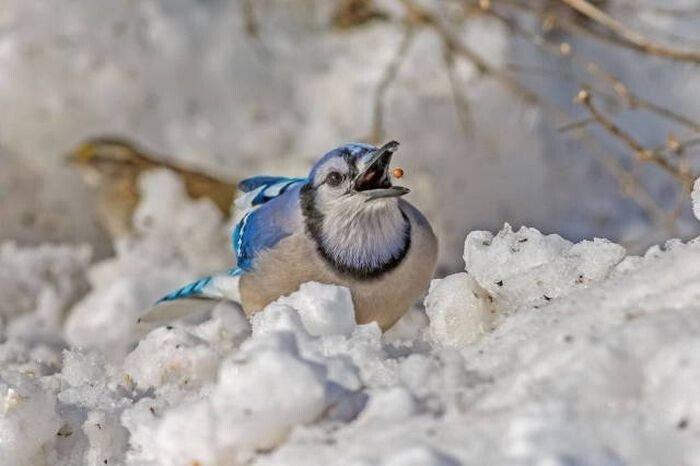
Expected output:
(344, 224)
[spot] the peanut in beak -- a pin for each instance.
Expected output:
(397, 173)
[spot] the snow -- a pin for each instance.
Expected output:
(324, 310)
(696, 198)
(542, 351)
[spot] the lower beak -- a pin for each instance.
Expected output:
(393, 191)
(373, 181)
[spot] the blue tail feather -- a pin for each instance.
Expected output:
(188, 291)
(198, 288)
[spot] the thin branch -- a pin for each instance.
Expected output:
(462, 106)
(388, 77)
(565, 50)
(634, 38)
(640, 152)
(458, 47)
(576, 125)
(250, 20)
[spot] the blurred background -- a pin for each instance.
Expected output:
(576, 117)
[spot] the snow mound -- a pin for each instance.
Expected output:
(324, 310)
(39, 285)
(526, 268)
(508, 272)
(541, 352)
(460, 311)
(28, 423)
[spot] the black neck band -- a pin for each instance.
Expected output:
(313, 220)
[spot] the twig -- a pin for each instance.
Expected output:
(621, 89)
(453, 43)
(635, 39)
(641, 153)
(462, 106)
(576, 125)
(388, 77)
(250, 21)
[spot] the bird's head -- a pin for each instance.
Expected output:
(357, 174)
(352, 208)
(107, 158)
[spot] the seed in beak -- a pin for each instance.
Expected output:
(397, 173)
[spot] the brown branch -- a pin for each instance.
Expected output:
(250, 20)
(462, 106)
(633, 38)
(594, 69)
(630, 185)
(456, 46)
(574, 125)
(640, 152)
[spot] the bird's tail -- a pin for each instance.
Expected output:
(196, 297)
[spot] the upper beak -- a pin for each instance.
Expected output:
(373, 180)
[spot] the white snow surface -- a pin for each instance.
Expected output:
(542, 352)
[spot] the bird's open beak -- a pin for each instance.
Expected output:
(373, 181)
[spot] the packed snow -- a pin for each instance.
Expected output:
(540, 352)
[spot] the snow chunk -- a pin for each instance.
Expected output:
(421, 456)
(186, 437)
(294, 393)
(526, 268)
(107, 439)
(28, 420)
(227, 328)
(278, 317)
(460, 311)
(391, 405)
(171, 357)
(673, 378)
(324, 309)
(39, 284)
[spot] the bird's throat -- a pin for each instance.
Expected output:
(356, 240)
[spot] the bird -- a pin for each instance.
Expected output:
(112, 165)
(344, 224)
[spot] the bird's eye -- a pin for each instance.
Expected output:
(334, 179)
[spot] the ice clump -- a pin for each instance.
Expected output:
(172, 357)
(511, 271)
(324, 309)
(28, 423)
(459, 309)
(39, 284)
(262, 392)
(526, 268)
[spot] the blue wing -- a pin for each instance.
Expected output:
(261, 189)
(266, 216)
(266, 213)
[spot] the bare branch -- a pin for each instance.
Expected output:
(453, 43)
(565, 50)
(462, 106)
(388, 77)
(640, 152)
(634, 38)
